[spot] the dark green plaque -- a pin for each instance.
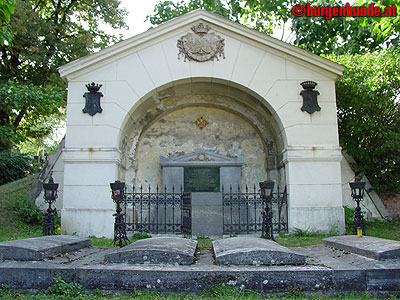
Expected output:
(201, 179)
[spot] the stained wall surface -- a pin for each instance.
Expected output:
(176, 134)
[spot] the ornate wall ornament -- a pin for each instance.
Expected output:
(310, 101)
(201, 122)
(201, 45)
(201, 157)
(92, 105)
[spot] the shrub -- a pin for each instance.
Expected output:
(27, 211)
(13, 166)
(368, 110)
(63, 288)
(140, 236)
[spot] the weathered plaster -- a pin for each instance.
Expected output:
(175, 134)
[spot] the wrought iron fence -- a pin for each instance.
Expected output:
(158, 211)
(242, 211)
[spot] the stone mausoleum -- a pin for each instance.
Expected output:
(203, 103)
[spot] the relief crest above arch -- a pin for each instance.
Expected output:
(200, 45)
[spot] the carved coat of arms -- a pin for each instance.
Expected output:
(200, 45)
(92, 103)
(310, 101)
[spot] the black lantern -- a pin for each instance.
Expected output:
(267, 188)
(118, 190)
(118, 196)
(357, 193)
(357, 189)
(50, 196)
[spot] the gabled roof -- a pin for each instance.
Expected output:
(173, 25)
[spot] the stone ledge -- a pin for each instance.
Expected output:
(124, 278)
(372, 247)
(254, 251)
(39, 248)
(158, 250)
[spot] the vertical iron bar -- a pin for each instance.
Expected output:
(173, 214)
(239, 207)
(165, 208)
(182, 212)
(141, 208)
(255, 208)
(231, 199)
(279, 209)
(223, 211)
(286, 201)
(247, 209)
(149, 211)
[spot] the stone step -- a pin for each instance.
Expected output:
(157, 250)
(254, 251)
(39, 248)
(368, 246)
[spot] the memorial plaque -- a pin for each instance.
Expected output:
(201, 179)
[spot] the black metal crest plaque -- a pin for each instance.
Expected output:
(310, 101)
(92, 105)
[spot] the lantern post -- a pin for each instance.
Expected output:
(357, 193)
(267, 188)
(118, 196)
(50, 196)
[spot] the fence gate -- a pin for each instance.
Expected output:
(158, 211)
(242, 211)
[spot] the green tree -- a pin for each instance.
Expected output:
(336, 35)
(50, 33)
(368, 101)
(260, 15)
(345, 35)
(27, 111)
(386, 28)
(167, 10)
(46, 35)
(6, 9)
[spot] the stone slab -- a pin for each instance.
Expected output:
(42, 247)
(372, 247)
(158, 250)
(254, 251)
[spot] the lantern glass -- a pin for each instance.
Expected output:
(357, 189)
(50, 190)
(117, 188)
(266, 185)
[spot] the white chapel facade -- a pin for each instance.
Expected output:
(204, 86)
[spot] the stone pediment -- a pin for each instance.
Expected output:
(201, 158)
(195, 48)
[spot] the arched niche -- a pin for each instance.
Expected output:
(255, 133)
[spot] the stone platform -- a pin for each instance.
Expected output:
(372, 247)
(41, 247)
(254, 251)
(327, 270)
(159, 250)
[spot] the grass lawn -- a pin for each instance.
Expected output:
(70, 291)
(11, 226)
